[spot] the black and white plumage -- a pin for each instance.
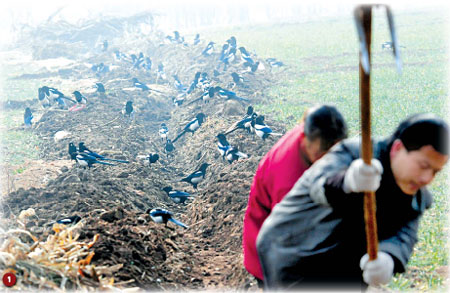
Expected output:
(160, 73)
(196, 177)
(84, 160)
(274, 62)
(82, 148)
(209, 49)
(232, 154)
(196, 39)
(245, 122)
(194, 83)
(163, 131)
(168, 148)
(179, 99)
(28, 117)
(139, 84)
(72, 220)
(192, 126)
(261, 129)
(222, 145)
(229, 95)
(160, 215)
(178, 85)
(128, 110)
(177, 196)
(100, 88)
(47, 95)
(205, 97)
(79, 97)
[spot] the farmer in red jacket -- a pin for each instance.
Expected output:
(280, 168)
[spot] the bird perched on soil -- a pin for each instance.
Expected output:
(160, 215)
(82, 148)
(177, 196)
(196, 39)
(69, 220)
(192, 126)
(128, 111)
(100, 88)
(48, 94)
(28, 117)
(140, 85)
(178, 85)
(194, 83)
(222, 144)
(153, 158)
(79, 97)
(160, 74)
(209, 49)
(238, 79)
(168, 148)
(229, 95)
(232, 154)
(196, 177)
(163, 131)
(245, 122)
(261, 129)
(205, 97)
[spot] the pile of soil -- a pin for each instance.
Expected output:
(113, 200)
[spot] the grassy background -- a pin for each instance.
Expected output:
(322, 59)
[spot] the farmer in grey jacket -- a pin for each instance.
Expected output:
(315, 237)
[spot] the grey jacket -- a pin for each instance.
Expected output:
(316, 233)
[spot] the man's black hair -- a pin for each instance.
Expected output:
(421, 130)
(326, 123)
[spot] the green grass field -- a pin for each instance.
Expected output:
(322, 59)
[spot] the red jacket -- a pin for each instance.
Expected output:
(277, 173)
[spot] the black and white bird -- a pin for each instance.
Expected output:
(177, 196)
(238, 80)
(222, 145)
(196, 177)
(139, 84)
(152, 158)
(86, 160)
(261, 129)
(196, 39)
(229, 95)
(192, 126)
(232, 154)
(245, 122)
(79, 97)
(194, 83)
(177, 84)
(168, 148)
(72, 220)
(160, 73)
(128, 110)
(209, 49)
(205, 97)
(163, 131)
(179, 99)
(274, 62)
(47, 95)
(204, 82)
(100, 88)
(82, 148)
(28, 117)
(160, 215)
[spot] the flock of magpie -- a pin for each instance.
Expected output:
(201, 89)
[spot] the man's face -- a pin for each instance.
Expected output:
(414, 169)
(312, 149)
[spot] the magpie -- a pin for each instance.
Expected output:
(152, 158)
(28, 117)
(194, 83)
(229, 95)
(178, 100)
(192, 126)
(205, 97)
(69, 220)
(245, 55)
(251, 67)
(82, 148)
(137, 61)
(196, 39)
(139, 84)
(128, 111)
(79, 97)
(84, 160)
(72, 151)
(46, 94)
(196, 177)
(232, 42)
(160, 215)
(100, 88)
(100, 68)
(177, 196)
(245, 122)
(232, 154)
(163, 131)
(43, 97)
(274, 62)
(160, 74)
(237, 79)
(223, 52)
(177, 84)
(147, 65)
(204, 82)
(209, 49)
(119, 55)
(261, 129)
(229, 58)
(168, 148)
(222, 144)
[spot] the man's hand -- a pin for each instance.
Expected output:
(378, 271)
(361, 177)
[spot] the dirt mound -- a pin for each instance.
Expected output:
(113, 200)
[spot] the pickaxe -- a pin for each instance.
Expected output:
(363, 19)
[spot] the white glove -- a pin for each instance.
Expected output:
(378, 271)
(361, 177)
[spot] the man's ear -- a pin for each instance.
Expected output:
(397, 145)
